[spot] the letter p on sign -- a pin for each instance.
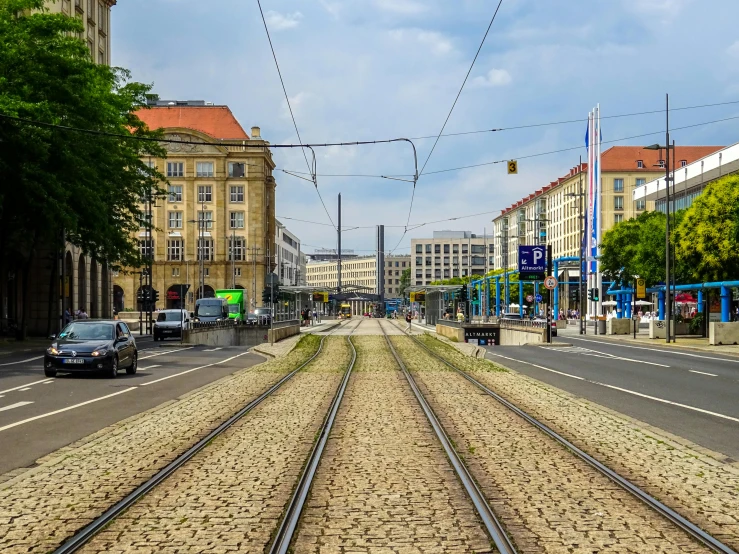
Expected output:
(538, 255)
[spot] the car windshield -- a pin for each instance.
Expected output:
(208, 310)
(169, 316)
(87, 331)
(233, 308)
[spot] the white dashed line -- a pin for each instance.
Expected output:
(24, 388)
(676, 351)
(149, 367)
(23, 361)
(703, 373)
(16, 405)
(167, 352)
(19, 387)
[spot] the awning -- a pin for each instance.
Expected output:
(572, 274)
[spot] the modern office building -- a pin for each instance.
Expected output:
(290, 260)
(359, 271)
(450, 254)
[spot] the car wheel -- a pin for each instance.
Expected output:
(50, 372)
(131, 370)
(113, 371)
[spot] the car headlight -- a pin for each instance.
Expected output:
(99, 352)
(51, 350)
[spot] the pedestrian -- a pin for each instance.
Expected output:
(460, 316)
(67, 317)
(408, 319)
(82, 314)
(302, 317)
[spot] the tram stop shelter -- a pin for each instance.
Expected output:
(439, 299)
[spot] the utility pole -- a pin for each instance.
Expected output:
(550, 268)
(233, 259)
(149, 260)
(581, 218)
(668, 302)
(338, 265)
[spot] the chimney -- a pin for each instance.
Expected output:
(255, 133)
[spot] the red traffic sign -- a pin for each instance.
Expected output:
(550, 282)
(530, 298)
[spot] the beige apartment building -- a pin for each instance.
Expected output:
(220, 208)
(95, 16)
(450, 254)
(550, 215)
(361, 271)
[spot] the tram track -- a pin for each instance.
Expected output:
(87, 533)
(677, 520)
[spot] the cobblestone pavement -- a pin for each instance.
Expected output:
(692, 480)
(229, 498)
(549, 500)
(45, 505)
(384, 483)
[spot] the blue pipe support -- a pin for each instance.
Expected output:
(700, 300)
(619, 306)
(497, 296)
(693, 286)
(661, 304)
(627, 301)
(725, 304)
(555, 292)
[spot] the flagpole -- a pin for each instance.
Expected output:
(598, 227)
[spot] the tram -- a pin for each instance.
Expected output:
(345, 311)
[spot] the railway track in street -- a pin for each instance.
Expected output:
(677, 520)
(86, 534)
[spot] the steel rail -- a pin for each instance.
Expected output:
(674, 517)
(289, 524)
(79, 539)
(493, 525)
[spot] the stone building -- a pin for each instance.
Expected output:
(449, 254)
(361, 271)
(220, 208)
(95, 16)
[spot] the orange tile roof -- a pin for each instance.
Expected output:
(216, 121)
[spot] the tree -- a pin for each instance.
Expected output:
(708, 237)
(405, 281)
(59, 185)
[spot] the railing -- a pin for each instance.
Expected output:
(449, 323)
(222, 324)
(530, 323)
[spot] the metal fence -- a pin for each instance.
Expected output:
(530, 323)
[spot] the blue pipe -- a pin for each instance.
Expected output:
(700, 301)
(725, 304)
(694, 286)
(628, 305)
(555, 292)
(619, 306)
(497, 296)
(661, 304)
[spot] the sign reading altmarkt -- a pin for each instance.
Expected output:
(532, 262)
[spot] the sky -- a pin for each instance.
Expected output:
(357, 70)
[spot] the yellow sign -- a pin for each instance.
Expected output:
(641, 288)
(513, 167)
(418, 296)
(320, 297)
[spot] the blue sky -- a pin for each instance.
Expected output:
(380, 69)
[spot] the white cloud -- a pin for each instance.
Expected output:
(405, 7)
(494, 78)
(733, 50)
(438, 43)
(279, 22)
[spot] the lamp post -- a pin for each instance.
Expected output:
(580, 195)
(200, 247)
(668, 286)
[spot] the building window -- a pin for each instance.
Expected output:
(237, 248)
(237, 194)
(618, 218)
(640, 182)
(683, 163)
(428, 260)
(237, 220)
(91, 48)
(437, 260)
(175, 272)
(205, 220)
(419, 249)
(206, 272)
(478, 248)
(446, 260)
(403, 264)
(662, 163)
(419, 260)
(618, 202)
(204, 169)
(175, 169)
(175, 220)
(174, 250)
(464, 260)
(146, 248)
(145, 221)
(205, 193)
(446, 249)
(618, 185)
(101, 17)
(175, 193)
(464, 249)
(419, 274)
(428, 249)
(641, 204)
(236, 169)
(491, 248)
(91, 9)
(205, 249)
(437, 248)
(237, 272)
(101, 57)
(640, 164)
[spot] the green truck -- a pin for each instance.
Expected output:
(236, 299)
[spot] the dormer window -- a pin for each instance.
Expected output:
(640, 164)
(662, 163)
(683, 163)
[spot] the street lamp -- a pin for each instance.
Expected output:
(668, 179)
(200, 250)
(581, 218)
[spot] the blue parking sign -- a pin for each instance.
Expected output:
(532, 258)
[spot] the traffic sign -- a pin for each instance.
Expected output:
(641, 288)
(271, 279)
(530, 298)
(532, 262)
(538, 298)
(512, 167)
(550, 282)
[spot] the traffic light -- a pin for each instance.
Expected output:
(147, 294)
(474, 294)
(590, 294)
(574, 295)
(266, 295)
(463, 294)
(596, 294)
(155, 296)
(276, 292)
(140, 296)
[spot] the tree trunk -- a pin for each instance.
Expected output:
(53, 293)
(26, 293)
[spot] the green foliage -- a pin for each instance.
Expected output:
(708, 238)
(405, 280)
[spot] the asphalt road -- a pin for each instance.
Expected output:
(690, 394)
(40, 415)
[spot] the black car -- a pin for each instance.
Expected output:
(92, 345)
(251, 319)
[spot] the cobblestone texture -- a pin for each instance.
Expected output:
(229, 498)
(45, 505)
(548, 499)
(690, 479)
(384, 483)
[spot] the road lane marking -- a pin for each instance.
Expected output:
(659, 350)
(19, 387)
(598, 354)
(23, 361)
(49, 414)
(16, 405)
(167, 352)
(191, 370)
(149, 367)
(213, 349)
(703, 373)
(627, 391)
(24, 389)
